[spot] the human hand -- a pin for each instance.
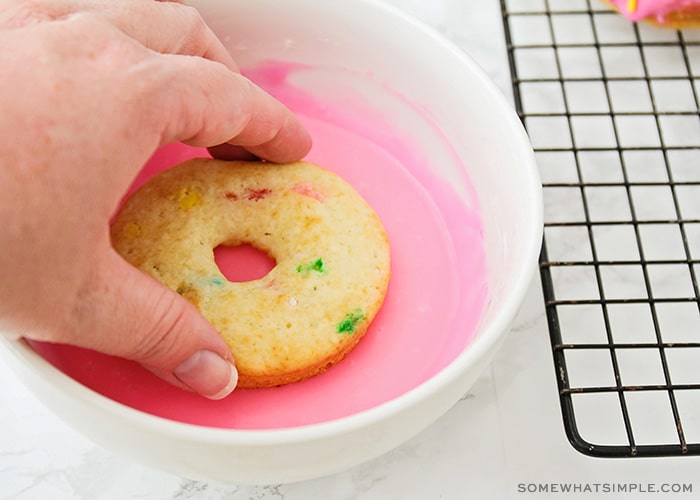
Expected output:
(90, 89)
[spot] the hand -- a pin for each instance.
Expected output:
(90, 89)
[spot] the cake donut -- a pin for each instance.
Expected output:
(331, 251)
(676, 14)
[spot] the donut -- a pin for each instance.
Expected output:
(675, 14)
(331, 253)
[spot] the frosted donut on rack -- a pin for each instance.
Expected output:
(676, 14)
(331, 251)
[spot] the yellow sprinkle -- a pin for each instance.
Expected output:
(631, 6)
(132, 230)
(188, 198)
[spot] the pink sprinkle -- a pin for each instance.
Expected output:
(306, 189)
(257, 194)
(249, 194)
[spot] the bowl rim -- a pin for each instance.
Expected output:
(26, 359)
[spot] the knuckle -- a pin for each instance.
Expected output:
(193, 19)
(194, 28)
(18, 14)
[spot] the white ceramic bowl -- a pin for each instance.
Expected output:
(391, 50)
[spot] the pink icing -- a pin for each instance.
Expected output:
(257, 263)
(431, 311)
(657, 9)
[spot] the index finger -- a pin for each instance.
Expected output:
(204, 104)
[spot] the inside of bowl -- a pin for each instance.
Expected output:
(408, 128)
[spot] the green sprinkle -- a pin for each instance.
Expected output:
(349, 323)
(205, 281)
(316, 266)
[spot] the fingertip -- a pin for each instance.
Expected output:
(288, 146)
(291, 143)
(230, 152)
(207, 374)
(304, 142)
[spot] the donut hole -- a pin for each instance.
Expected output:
(242, 263)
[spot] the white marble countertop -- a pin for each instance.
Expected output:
(504, 436)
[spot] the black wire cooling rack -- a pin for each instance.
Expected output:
(611, 108)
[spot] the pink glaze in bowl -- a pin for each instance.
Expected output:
(446, 165)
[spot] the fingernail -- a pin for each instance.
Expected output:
(208, 374)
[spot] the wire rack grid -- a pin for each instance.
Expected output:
(611, 108)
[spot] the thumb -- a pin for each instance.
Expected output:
(136, 317)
